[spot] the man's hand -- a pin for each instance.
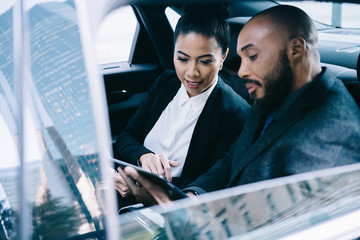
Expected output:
(121, 186)
(147, 192)
(158, 164)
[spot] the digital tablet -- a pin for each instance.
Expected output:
(173, 191)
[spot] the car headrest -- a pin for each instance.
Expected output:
(350, 78)
(233, 61)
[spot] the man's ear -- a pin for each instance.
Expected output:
(296, 48)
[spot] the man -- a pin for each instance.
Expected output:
(303, 118)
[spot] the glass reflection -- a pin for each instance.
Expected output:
(269, 212)
(9, 161)
(65, 196)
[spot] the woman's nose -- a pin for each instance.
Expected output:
(193, 70)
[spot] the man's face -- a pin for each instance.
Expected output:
(264, 63)
(277, 85)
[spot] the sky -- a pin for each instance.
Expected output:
(5, 5)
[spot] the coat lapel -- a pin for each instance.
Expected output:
(247, 144)
(264, 141)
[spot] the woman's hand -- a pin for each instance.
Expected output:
(158, 164)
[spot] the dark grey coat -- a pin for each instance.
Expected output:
(321, 129)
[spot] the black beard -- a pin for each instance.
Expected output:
(277, 86)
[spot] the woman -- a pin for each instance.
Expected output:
(190, 117)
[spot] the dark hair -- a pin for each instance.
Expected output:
(296, 22)
(209, 20)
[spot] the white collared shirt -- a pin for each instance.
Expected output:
(172, 132)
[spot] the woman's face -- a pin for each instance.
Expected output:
(197, 60)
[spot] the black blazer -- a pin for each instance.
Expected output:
(321, 129)
(219, 125)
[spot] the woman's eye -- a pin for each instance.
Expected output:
(182, 59)
(253, 57)
(206, 61)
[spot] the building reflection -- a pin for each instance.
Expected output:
(267, 213)
(82, 183)
(62, 178)
(69, 168)
(290, 206)
(59, 185)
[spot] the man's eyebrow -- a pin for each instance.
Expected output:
(247, 46)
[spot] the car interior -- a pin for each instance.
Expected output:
(126, 83)
(56, 177)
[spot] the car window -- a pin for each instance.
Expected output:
(344, 15)
(51, 131)
(265, 210)
(173, 17)
(115, 36)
